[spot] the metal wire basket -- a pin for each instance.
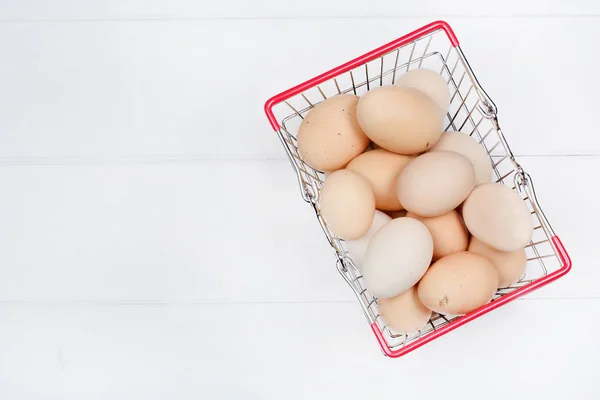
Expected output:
(433, 46)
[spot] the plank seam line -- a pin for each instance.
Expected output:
(308, 17)
(40, 303)
(158, 159)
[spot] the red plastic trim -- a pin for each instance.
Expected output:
(431, 27)
(566, 267)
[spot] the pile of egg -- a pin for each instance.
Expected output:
(416, 207)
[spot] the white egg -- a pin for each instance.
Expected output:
(397, 256)
(356, 248)
(469, 147)
(429, 82)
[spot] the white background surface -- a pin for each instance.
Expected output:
(153, 243)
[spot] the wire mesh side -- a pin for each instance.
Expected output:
(469, 113)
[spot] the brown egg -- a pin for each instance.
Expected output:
(458, 283)
(401, 120)
(404, 313)
(434, 183)
(347, 204)
(496, 215)
(511, 265)
(381, 168)
(448, 232)
(329, 136)
(470, 148)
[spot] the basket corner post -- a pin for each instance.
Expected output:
(268, 107)
(445, 26)
(567, 264)
(385, 349)
(381, 340)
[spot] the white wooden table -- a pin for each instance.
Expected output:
(153, 244)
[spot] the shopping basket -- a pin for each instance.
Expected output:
(472, 111)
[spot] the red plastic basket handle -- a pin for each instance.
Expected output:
(365, 58)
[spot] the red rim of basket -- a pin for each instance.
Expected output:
(358, 61)
(378, 52)
(566, 267)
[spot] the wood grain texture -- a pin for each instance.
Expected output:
(290, 351)
(126, 89)
(208, 231)
(139, 9)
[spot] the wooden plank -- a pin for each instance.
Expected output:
(138, 9)
(198, 232)
(227, 231)
(290, 351)
(136, 89)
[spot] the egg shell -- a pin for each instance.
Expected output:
(401, 120)
(347, 204)
(429, 82)
(381, 168)
(448, 231)
(397, 257)
(329, 136)
(510, 265)
(470, 148)
(356, 248)
(404, 313)
(496, 215)
(458, 283)
(434, 183)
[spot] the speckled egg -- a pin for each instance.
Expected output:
(329, 136)
(458, 283)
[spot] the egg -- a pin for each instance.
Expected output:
(510, 265)
(496, 215)
(381, 168)
(356, 248)
(458, 283)
(448, 232)
(470, 148)
(347, 204)
(329, 136)
(397, 257)
(404, 313)
(434, 183)
(399, 119)
(429, 82)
